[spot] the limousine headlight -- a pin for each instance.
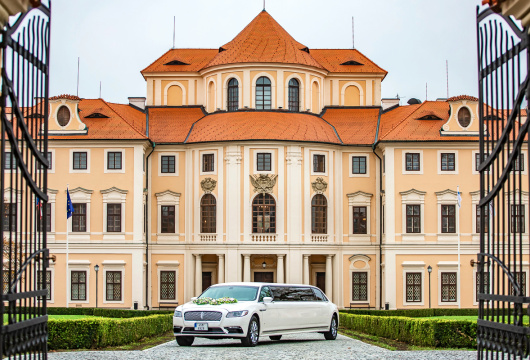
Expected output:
(234, 314)
(177, 313)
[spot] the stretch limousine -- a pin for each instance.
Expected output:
(247, 311)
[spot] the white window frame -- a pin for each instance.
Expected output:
(475, 270)
(106, 170)
(51, 269)
(404, 170)
(113, 265)
(360, 198)
(167, 197)
(51, 170)
(413, 267)
(51, 200)
(350, 164)
(447, 197)
(474, 162)
(475, 198)
(208, 152)
(326, 165)
(273, 161)
(80, 195)
(71, 165)
(78, 265)
(509, 196)
(168, 266)
(525, 162)
(444, 267)
(114, 196)
(176, 155)
(366, 268)
(439, 156)
(412, 197)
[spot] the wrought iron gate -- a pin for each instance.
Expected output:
(503, 105)
(23, 181)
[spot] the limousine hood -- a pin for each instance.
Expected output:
(190, 306)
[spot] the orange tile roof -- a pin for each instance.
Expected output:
(262, 125)
(118, 125)
(172, 125)
(196, 58)
(65, 96)
(331, 60)
(354, 125)
(263, 40)
(463, 97)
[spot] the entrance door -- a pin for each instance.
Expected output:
(321, 281)
(206, 280)
(265, 276)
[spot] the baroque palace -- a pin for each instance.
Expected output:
(264, 160)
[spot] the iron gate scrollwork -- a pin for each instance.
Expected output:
(23, 181)
(504, 90)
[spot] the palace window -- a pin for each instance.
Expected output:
(413, 286)
(233, 95)
(359, 286)
(448, 219)
(167, 164)
(264, 161)
(79, 218)
(359, 165)
(10, 161)
(413, 219)
(486, 283)
(412, 162)
(464, 117)
(294, 95)
(78, 286)
(263, 93)
(263, 214)
(167, 285)
(517, 217)
(486, 219)
(448, 286)
(113, 286)
(63, 115)
(114, 160)
(168, 219)
(113, 217)
(10, 216)
(359, 220)
(45, 283)
(48, 218)
(49, 158)
(519, 163)
(208, 163)
(447, 161)
(319, 218)
(520, 278)
(208, 214)
(80, 160)
(319, 163)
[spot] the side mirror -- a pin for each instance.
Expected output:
(267, 300)
(193, 298)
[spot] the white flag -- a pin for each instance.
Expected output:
(458, 197)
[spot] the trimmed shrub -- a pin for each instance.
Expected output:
(96, 332)
(414, 312)
(104, 312)
(415, 331)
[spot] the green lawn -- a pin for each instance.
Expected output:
(64, 317)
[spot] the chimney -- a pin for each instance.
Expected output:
(138, 102)
(386, 103)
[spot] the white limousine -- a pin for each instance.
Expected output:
(262, 309)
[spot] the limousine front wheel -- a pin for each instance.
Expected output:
(332, 333)
(184, 340)
(252, 337)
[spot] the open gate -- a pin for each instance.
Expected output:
(23, 181)
(504, 91)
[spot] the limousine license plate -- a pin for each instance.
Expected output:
(201, 326)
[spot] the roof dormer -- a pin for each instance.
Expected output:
(463, 116)
(64, 116)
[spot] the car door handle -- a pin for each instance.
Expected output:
(262, 309)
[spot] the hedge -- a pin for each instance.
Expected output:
(415, 331)
(415, 313)
(104, 312)
(93, 333)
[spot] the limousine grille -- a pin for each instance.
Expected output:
(203, 316)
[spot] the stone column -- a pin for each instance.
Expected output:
(279, 269)
(246, 267)
(306, 269)
(329, 277)
(221, 271)
(198, 274)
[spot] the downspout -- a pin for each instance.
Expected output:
(146, 217)
(380, 210)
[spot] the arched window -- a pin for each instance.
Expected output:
(208, 214)
(233, 95)
(294, 95)
(263, 93)
(319, 214)
(264, 214)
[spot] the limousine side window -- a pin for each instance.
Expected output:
(320, 296)
(286, 293)
(265, 292)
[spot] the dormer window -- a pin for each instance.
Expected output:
(351, 62)
(176, 62)
(429, 117)
(97, 115)
(63, 116)
(464, 117)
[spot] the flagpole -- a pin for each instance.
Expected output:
(67, 272)
(459, 277)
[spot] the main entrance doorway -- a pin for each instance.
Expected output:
(265, 276)
(206, 280)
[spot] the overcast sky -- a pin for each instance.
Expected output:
(116, 39)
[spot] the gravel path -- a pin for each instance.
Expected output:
(300, 346)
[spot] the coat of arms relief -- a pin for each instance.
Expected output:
(208, 185)
(262, 183)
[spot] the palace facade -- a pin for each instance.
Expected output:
(264, 160)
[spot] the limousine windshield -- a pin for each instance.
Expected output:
(241, 293)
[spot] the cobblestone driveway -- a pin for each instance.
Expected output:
(301, 346)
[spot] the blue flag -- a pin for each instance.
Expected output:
(69, 206)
